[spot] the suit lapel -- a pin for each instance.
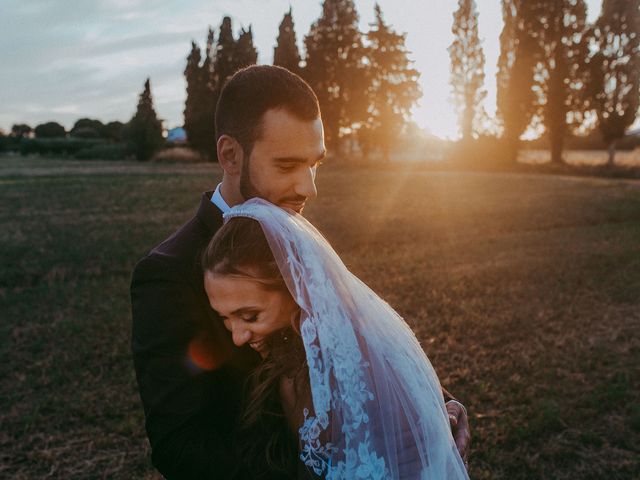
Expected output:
(209, 214)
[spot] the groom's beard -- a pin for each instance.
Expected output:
(247, 190)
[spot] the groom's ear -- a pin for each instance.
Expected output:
(230, 155)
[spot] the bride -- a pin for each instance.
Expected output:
(344, 387)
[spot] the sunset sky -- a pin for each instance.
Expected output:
(66, 59)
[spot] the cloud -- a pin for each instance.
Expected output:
(66, 59)
(136, 42)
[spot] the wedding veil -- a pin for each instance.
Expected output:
(377, 410)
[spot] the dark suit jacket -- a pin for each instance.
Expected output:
(189, 373)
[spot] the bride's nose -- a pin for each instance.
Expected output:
(240, 335)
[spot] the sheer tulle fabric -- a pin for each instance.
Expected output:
(377, 410)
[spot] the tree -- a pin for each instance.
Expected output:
(335, 68)
(519, 56)
(393, 87)
(193, 100)
(225, 63)
(230, 55)
(145, 129)
(245, 53)
(559, 31)
(285, 53)
(20, 130)
(467, 67)
(199, 110)
(88, 128)
(208, 97)
(205, 78)
(113, 131)
(50, 130)
(614, 69)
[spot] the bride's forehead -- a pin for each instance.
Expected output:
(233, 289)
(230, 283)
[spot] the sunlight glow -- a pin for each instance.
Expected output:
(99, 42)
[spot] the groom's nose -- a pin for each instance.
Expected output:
(306, 184)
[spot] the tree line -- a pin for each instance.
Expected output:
(556, 74)
(91, 139)
(364, 81)
(555, 71)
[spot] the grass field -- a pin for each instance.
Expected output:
(524, 290)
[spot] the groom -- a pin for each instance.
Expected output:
(270, 142)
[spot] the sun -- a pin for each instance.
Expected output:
(439, 119)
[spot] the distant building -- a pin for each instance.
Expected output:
(177, 136)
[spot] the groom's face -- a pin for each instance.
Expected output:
(282, 165)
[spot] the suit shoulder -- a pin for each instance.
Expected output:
(177, 256)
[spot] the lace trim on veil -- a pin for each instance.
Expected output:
(364, 364)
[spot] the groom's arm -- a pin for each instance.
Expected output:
(189, 414)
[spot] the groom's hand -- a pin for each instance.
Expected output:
(459, 427)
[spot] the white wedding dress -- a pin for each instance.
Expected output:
(377, 410)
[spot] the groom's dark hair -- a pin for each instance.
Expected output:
(251, 92)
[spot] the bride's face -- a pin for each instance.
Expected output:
(250, 311)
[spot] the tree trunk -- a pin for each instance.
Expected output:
(467, 123)
(612, 153)
(556, 149)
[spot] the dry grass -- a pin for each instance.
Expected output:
(524, 290)
(178, 155)
(628, 158)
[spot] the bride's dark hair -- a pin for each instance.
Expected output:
(240, 248)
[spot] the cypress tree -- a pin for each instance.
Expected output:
(205, 78)
(467, 67)
(195, 124)
(614, 69)
(245, 53)
(519, 56)
(225, 63)
(209, 98)
(335, 69)
(285, 53)
(559, 30)
(393, 87)
(145, 129)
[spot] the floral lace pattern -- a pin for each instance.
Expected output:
(377, 410)
(344, 365)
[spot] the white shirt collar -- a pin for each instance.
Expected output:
(218, 201)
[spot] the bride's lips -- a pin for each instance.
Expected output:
(258, 346)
